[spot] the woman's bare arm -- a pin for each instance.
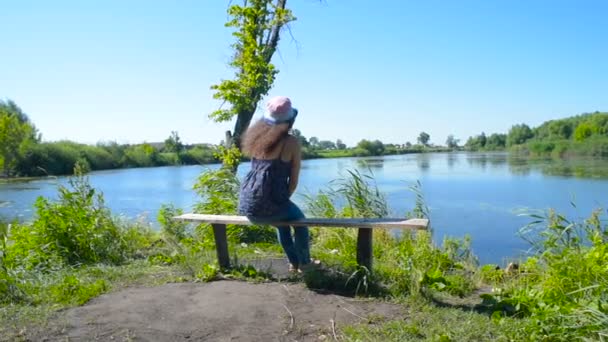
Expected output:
(296, 160)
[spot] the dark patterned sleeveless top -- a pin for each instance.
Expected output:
(265, 188)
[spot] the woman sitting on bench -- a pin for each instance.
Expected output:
(275, 167)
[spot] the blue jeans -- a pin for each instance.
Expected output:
(297, 250)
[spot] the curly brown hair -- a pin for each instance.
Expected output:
(261, 138)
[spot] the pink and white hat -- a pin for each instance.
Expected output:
(279, 110)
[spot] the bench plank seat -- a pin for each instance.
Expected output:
(313, 222)
(364, 235)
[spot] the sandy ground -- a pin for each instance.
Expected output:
(217, 311)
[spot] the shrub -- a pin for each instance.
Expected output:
(77, 228)
(9, 284)
(563, 287)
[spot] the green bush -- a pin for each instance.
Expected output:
(140, 156)
(360, 152)
(9, 282)
(198, 155)
(97, 157)
(168, 158)
(171, 228)
(50, 159)
(77, 228)
(541, 148)
(564, 287)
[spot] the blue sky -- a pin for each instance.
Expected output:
(132, 71)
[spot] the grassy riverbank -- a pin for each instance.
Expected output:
(75, 250)
(63, 156)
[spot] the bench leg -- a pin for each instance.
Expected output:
(221, 245)
(364, 248)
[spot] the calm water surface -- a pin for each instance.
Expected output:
(480, 194)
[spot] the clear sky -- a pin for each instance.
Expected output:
(132, 71)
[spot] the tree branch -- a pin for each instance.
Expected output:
(271, 46)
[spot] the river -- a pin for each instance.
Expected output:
(480, 194)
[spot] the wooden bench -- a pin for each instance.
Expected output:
(364, 235)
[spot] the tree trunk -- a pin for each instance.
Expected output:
(242, 122)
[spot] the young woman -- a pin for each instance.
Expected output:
(275, 167)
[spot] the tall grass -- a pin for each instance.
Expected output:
(40, 261)
(408, 263)
(563, 286)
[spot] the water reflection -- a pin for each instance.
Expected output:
(452, 160)
(578, 167)
(519, 166)
(477, 161)
(370, 163)
(424, 162)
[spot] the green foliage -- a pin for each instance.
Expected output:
(75, 291)
(581, 135)
(496, 141)
(340, 145)
(173, 143)
(584, 130)
(22, 154)
(97, 158)
(59, 158)
(51, 158)
(52, 259)
(198, 155)
(519, 134)
(230, 157)
(480, 142)
(425, 321)
(256, 28)
(451, 142)
(361, 152)
(247, 272)
(9, 282)
(140, 156)
(363, 198)
(207, 272)
(254, 23)
(424, 138)
(77, 228)
(327, 145)
(405, 264)
(562, 289)
(374, 148)
(218, 191)
(322, 204)
(171, 228)
(17, 134)
(168, 158)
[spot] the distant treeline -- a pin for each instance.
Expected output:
(59, 158)
(315, 148)
(581, 135)
(22, 153)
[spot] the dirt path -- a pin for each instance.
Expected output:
(216, 311)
